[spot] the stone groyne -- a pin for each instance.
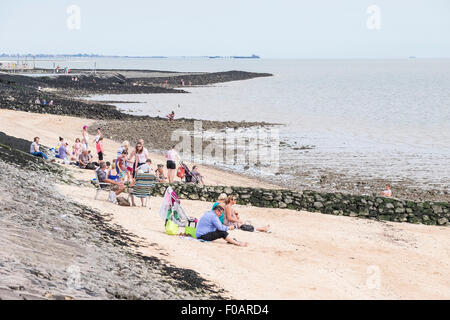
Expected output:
(370, 207)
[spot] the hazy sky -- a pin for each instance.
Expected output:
(272, 29)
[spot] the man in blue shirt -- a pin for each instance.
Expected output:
(210, 228)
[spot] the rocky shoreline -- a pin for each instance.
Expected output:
(53, 248)
(19, 92)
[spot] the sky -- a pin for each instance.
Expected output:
(271, 29)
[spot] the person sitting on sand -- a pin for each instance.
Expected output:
(116, 186)
(84, 159)
(387, 191)
(171, 116)
(209, 228)
(221, 200)
(62, 151)
(34, 149)
(232, 218)
(160, 177)
(112, 168)
(196, 175)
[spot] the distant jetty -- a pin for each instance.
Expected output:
(253, 56)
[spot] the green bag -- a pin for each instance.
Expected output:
(190, 231)
(171, 228)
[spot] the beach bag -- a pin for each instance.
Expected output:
(123, 202)
(180, 172)
(247, 227)
(171, 228)
(90, 166)
(190, 231)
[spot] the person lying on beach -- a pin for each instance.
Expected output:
(117, 187)
(160, 177)
(209, 227)
(387, 191)
(232, 218)
(34, 149)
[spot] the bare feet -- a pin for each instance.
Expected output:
(264, 229)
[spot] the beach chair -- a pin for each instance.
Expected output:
(143, 186)
(100, 186)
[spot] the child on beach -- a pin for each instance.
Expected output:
(160, 177)
(100, 149)
(387, 191)
(122, 165)
(76, 148)
(130, 166)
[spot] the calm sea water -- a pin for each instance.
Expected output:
(386, 119)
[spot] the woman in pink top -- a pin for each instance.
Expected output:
(100, 149)
(172, 156)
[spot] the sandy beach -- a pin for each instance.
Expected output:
(50, 127)
(306, 256)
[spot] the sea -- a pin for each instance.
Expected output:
(362, 119)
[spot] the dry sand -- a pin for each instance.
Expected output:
(307, 255)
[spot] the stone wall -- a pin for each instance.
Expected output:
(378, 208)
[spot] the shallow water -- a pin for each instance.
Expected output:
(380, 119)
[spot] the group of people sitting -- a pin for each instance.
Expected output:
(223, 217)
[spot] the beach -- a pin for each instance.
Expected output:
(306, 256)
